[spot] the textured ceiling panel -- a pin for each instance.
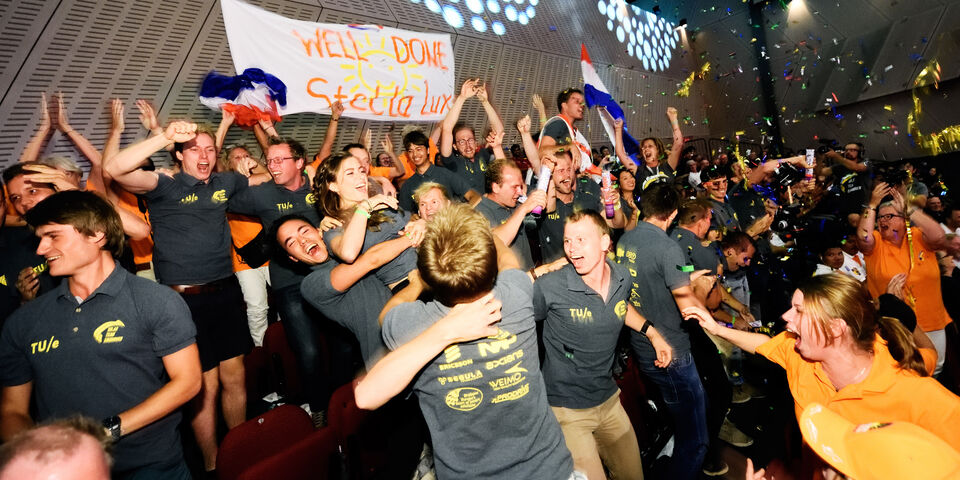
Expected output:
(21, 24)
(514, 87)
(366, 8)
(903, 48)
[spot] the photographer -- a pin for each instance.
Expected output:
(853, 176)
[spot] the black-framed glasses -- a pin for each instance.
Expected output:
(889, 216)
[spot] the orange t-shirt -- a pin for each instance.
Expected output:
(923, 282)
(242, 229)
(888, 394)
(380, 172)
(142, 249)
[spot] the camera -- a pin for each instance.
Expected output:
(787, 174)
(891, 173)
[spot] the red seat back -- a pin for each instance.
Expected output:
(285, 370)
(259, 438)
(314, 457)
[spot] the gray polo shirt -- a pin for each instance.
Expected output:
(357, 309)
(101, 357)
(724, 216)
(269, 202)
(497, 215)
(191, 237)
(586, 196)
(697, 256)
(484, 400)
(473, 172)
(580, 335)
(397, 269)
(655, 264)
(456, 185)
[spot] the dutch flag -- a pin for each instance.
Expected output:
(596, 95)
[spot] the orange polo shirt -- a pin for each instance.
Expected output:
(242, 229)
(923, 282)
(888, 394)
(409, 167)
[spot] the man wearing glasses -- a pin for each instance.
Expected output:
(417, 146)
(458, 143)
(191, 255)
(851, 173)
(290, 193)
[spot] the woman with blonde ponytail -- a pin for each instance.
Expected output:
(837, 351)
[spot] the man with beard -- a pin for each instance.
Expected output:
(567, 194)
(561, 130)
(458, 144)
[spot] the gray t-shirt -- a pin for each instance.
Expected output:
(473, 172)
(655, 263)
(697, 256)
(101, 357)
(485, 400)
(396, 269)
(191, 237)
(586, 197)
(580, 335)
(497, 215)
(724, 217)
(357, 309)
(456, 185)
(269, 202)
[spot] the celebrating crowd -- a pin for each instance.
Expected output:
(495, 287)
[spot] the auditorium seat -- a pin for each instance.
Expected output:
(261, 437)
(285, 371)
(312, 458)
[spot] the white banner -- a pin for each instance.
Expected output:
(379, 73)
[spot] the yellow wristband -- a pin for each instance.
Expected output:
(616, 206)
(363, 212)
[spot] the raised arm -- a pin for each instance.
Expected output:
(846, 162)
(868, 219)
(79, 141)
(124, 167)
(226, 119)
(932, 235)
(529, 145)
(619, 149)
(465, 322)
(509, 229)
(674, 159)
(495, 143)
(32, 151)
(326, 148)
(467, 90)
(541, 110)
(183, 368)
(496, 123)
(347, 247)
(101, 181)
(397, 169)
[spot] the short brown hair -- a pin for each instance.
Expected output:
(202, 129)
(692, 211)
(458, 258)
(85, 211)
(591, 215)
(495, 173)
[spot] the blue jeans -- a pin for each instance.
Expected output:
(304, 326)
(682, 391)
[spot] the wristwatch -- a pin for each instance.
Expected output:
(112, 426)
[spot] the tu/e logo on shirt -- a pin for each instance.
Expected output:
(581, 315)
(107, 332)
(44, 345)
(189, 199)
(282, 207)
(3, 280)
(220, 196)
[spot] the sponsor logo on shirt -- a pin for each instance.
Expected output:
(107, 332)
(464, 399)
(220, 196)
(620, 309)
(311, 199)
(3, 280)
(502, 341)
(515, 376)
